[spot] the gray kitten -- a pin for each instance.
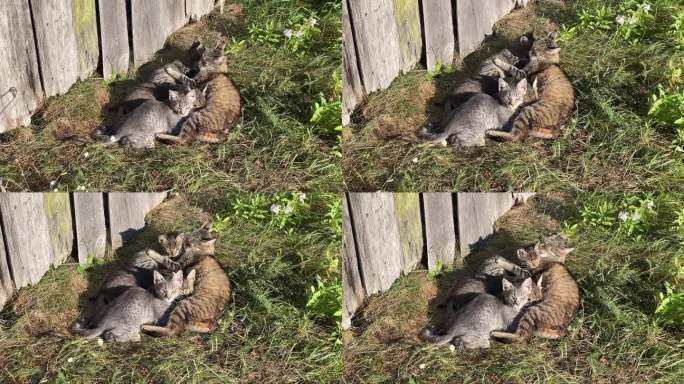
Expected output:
(473, 323)
(122, 320)
(139, 127)
(466, 126)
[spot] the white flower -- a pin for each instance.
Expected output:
(422, 366)
(647, 7)
(622, 215)
(313, 21)
(287, 210)
(302, 197)
(620, 19)
(299, 34)
(86, 155)
(632, 20)
(275, 208)
(70, 360)
(414, 160)
(636, 216)
(452, 347)
(100, 342)
(287, 33)
(649, 204)
(52, 183)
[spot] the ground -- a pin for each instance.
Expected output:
(273, 331)
(275, 146)
(615, 337)
(610, 142)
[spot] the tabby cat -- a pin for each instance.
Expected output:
(121, 321)
(200, 311)
(223, 104)
(545, 118)
(551, 317)
(473, 323)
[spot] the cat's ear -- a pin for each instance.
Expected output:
(204, 91)
(565, 251)
(158, 278)
(553, 35)
(177, 279)
(525, 42)
(507, 285)
(528, 284)
(535, 88)
(522, 254)
(539, 282)
(173, 96)
(190, 279)
(503, 85)
(521, 87)
(180, 238)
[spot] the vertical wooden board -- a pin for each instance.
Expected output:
(57, 208)
(352, 88)
(6, 285)
(114, 37)
(439, 33)
(522, 197)
(195, 9)
(377, 42)
(407, 212)
(127, 214)
(353, 293)
(475, 20)
(19, 66)
(440, 234)
(91, 229)
(152, 22)
(27, 236)
(407, 17)
(66, 33)
(377, 239)
(477, 213)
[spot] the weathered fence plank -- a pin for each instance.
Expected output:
(477, 213)
(57, 208)
(440, 234)
(6, 285)
(66, 33)
(352, 288)
(91, 229)
(195, 9)
(27, 236)
(475, 21)
(377, 239)
(407, 17)
(352, 89)
(127, 214)
(439, 33)
(377, 43)
(152, 22)
(114, 37)
(407, 212)
(20, 89)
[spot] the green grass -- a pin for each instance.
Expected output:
(610, 142)
(267, 334)
(274, 147)
(615, 338)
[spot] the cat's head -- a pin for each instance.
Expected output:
(512, 96)
(546, 50)
(183, 102)
(168, 288)
(523, 293)
(201, 241)
(172, 243)
(213, 60)
(551, 247)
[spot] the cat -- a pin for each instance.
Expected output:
(199, 312)
(123, 319)
(223, 104)
(545, 118)
(139, 127)
(553, 314)
(467, 124)
(473, 323)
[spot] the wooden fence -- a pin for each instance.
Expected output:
(383, 38)
(39, 230)
(386, 234)
(47, 45)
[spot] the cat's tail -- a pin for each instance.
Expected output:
(432, 336)
(86, 333)
(427, 133)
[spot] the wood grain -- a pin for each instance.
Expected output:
(114, 37)
(195, 9)
(407, 213)
(152, 22)
(6, 284)
(91, 229)
(475, 21)
(352, 88)
(127, 214)
(57, 209)
(439, 33)
(477, 213)
(440, 234)
(353, 292)
(19, 66)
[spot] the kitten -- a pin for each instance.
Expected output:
(138, 128)
(474, 322)
(550, 317)
(545, 118)
(223, 105)
(124, 317)
(466, 126)
(200, 311)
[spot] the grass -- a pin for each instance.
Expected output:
(610, 142)
(269, 333)
(274, 147)
(615, 338)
